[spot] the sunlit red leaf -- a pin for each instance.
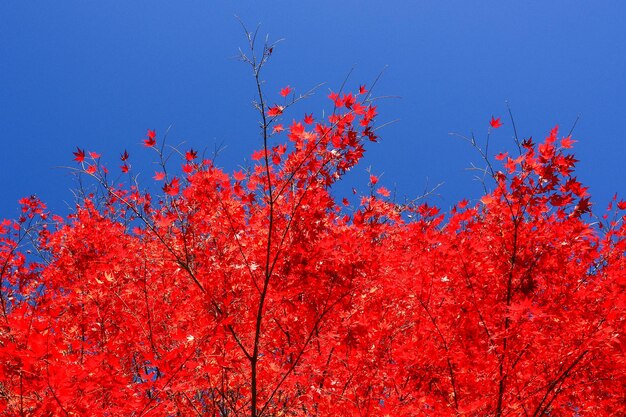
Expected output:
(383, 191)
(239, 175)
(567, 142)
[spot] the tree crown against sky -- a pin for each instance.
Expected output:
(257, 292)
(99, 73)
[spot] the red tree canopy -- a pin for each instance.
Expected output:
(258, 293)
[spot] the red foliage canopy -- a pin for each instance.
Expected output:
(257, 294)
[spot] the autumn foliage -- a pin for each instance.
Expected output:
(260, 293)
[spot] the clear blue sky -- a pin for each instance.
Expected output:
(97, 74)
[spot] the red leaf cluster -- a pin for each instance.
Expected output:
(262, 294)
(150, 139)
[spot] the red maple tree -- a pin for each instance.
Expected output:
(259, 294)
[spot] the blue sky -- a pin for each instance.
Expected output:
(97, 74)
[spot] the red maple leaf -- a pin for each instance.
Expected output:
(583, 206)
(258, 155)
(150, 138)
(285, 91)
(567, 142)
(239, 176)
(190, 155)
(358, 108)
(124, 168)
(495, 123)
(172, 188)
(275, 111)
(159, 175)
(124, 156)
(91, 169)
(336, 99)
(308, 118)
(370, 113)
(487, 199)
(383, 191)
(79, 155)
(348, 100)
